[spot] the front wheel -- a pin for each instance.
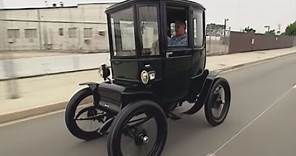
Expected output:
(140, 129)
(83, 119)
(218, 103)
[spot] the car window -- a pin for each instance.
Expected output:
(149, 30)
(123, 35)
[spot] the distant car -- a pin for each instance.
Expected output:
(149, 78)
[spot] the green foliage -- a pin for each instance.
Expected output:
(291, 29)
(248, 29)
(270, 32)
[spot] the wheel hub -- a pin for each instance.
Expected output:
(145, 139)
(141, 139)
(92, 113)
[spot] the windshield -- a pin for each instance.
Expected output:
(123, 36)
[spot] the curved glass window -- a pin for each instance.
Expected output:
(198, 28)
(123, 32)
(149, 30)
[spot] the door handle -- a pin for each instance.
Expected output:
(168, 54)
(117, 62)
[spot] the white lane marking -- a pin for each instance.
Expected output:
(294, 86)
(30, 118)
(251, 122)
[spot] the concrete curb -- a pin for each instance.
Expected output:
(12, 116)
(58, 73)
(17, 115)
(253, 62)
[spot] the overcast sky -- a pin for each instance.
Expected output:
(241, 13)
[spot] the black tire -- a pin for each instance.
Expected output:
(213, 102)
(120, 128)
(70, 115)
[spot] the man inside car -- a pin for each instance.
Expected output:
(180, 39)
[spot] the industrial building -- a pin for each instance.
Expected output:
(75, 28)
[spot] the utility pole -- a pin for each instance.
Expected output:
(225, 21)
(12, 86)
(8, 64)
(3, 43)
(224, 32)
(39, 28)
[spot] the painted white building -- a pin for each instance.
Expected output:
(77, 28)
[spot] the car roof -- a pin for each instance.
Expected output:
(131, 2)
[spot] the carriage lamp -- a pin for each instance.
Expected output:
(145, 77)
(151, 75)
(104, 71)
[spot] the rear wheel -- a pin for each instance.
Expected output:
(140, 129)
(82, 118)
(218, 103)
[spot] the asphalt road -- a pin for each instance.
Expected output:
(261, 122)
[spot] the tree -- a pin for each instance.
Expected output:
(291, 29)
(248, 29)
(270, 32)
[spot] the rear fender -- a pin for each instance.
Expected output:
(203, 94)
(206, 89)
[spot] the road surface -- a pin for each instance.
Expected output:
(261, 122)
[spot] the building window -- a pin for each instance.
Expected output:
(13, 33)
(87, 32)
(102, 33)
(61, 31)
(72, 32)
(30, 33)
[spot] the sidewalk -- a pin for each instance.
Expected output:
(49, 93)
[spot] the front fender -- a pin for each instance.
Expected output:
(92, 85)
(116, 97)
(94, 88)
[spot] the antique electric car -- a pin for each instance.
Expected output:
(158, 56)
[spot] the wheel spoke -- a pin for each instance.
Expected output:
(84, 110)
(137, 122)
(97, 117)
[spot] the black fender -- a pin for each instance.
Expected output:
(204, 92)
(92, 85)
(116, 97)
(94, 89)
(132, 96)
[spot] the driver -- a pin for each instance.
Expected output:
(180, 39)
